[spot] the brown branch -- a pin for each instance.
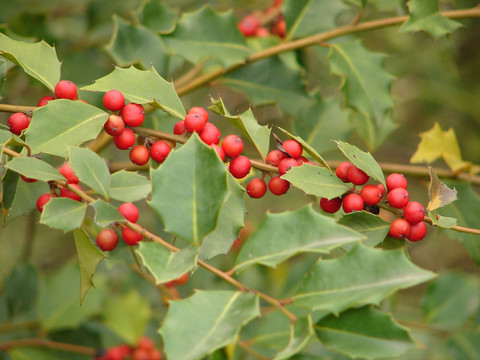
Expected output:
(39, 342)
(28, 110)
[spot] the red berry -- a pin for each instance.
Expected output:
(44, 100)
(219, 151)
(18, 122)
(399, 229)
(67, 171)
(352, 202)
(232, 145)
(278, 186)
(195, 122)
(139, 155)
(66, 89)
(275, 156)
(179, 128)
(146, 343)
(133, 114)
(256, 188)
(114, 125)
(249, 25)
(396, 181)
(398, 198)
(155, 355)
(43, 200)
(125, 140)
(198, 110)
(159, 151)
(210, 134)
(130, 236)
(114, 353)
(129, 211)
(286, 164)
(331, 206)
(27, 179)
(381, 188)
(293, 148)
(280, 28)
(414, 212)
(262, 32)
(65, 192)
(357, 176)
(113, 100)
(370, 194)
(342, 171)
(107, 240)
(417, 231)
(141, 354)
(240, 167)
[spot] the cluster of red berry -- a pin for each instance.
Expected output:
(145, 350)
(251, 24)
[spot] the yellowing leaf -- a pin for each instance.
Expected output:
(440, 194)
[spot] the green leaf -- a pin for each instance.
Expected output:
(317, 181)
(230, 222)
(142, 87)
(38, 60)
(137, 44)
(218, 38)
(308, 17)
(166, 265)
(3, 71)
(24, 197)
(247, 124)
(105, 213)
(128, 186)
(465, 345)
(21, 289)
(269, 334)
(34, 168)
(300, 333)
(337, 284)
(158, 17)
(425, 15)
(444, 222)
(372, 134)
(63, 214)
(364, 333)
(449, 309)
(62, 123)
(88, 258)
(363, 160)
(90, 168)
(212, 319)
(270, 81)
(281, 236)
(440, 194)
(194, 179)
(127, 316)
(373, 227)
(32, 353)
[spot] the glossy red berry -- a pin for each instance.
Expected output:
(155, 354)
(398, 198)
(113, 100)
(198, 110)
(210, 134)
(67, 171)
(219, 151)
(357, 176)
(331, 206)
(256, 188)
(249, 25)
(66, 89)
(18, 122)
(65, 192)
(114, 353)
(275, 156)
(278, 186)
(286, 164)
(417, 231)
(399, 229)
(129, 211)
(414, 212)
(262, 32)
(293, 148)
(125, 140)
(232, 145)
(139, 155)
(396, 181)
(370, 194)
(159, 151)
(27, 179)
(179, 128)
(352, 202)
(44, 100)
(114, 125)
(43, 200)
(342, 171)
(130, 236)
(133, 114)
(107, 240)
(240, 167)
(195, 122)
(280, 28)
(381, 188)
(147, 343)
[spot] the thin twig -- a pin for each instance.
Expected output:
(28, 110)
(84, 350)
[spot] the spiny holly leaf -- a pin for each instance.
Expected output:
(137, 44)
(281, 236)
(128, 186)
(38, 60)
(34, 168)
(438, 144)
(364, 333)
(22, 194)
(425, 15)
(142, 87)
(440, 194)
(166, 265)
(90, 168)
(105, 213)
(300, 333)
(363, 160)
(444, 222)
(211, 318)
(62, 123)
(158, 17)
(317, 181)
(346, 281)
(373, 227)
(194, 179)
(307, 17)
(88, 258)
(63, 214)
(372, 134)
(230, 222)
(258, 135)
(218, 38)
